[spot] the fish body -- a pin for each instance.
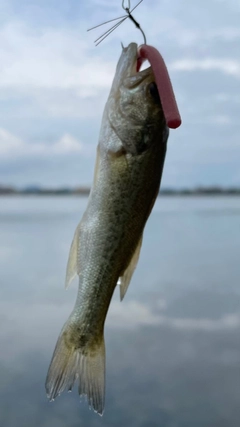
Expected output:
(107, 242)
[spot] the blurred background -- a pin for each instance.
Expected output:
(173, 348)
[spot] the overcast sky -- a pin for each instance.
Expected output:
(54, 83)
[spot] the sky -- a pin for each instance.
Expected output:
(54, 84)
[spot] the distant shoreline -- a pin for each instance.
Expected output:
(84, 191)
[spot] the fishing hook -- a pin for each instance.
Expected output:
(129, 12)
(122, 19)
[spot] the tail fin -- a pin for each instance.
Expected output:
(87, 365)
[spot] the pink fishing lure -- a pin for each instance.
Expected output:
(163, 82)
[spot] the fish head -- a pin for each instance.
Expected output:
(134, 107)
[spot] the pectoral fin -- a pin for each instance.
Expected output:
(125, 279)
(72, 265)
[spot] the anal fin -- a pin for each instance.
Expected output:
(72, 265)
(125, 279)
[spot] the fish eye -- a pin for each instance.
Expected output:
(153, 90)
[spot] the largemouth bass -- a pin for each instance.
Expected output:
(107, 242)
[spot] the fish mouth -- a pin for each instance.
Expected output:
(132, 62)
(129, 75)
(128, 71)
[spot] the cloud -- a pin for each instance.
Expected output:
(51, 73)
(67, 144)
(226, 66)
(227, 322)
(5, 254)
(126, 316)
(133, 314)
(53, 59)
(190, 37)
(221, 119)
(13, 147)
(70, 103)
(9, 144)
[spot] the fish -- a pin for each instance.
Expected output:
(107, 242)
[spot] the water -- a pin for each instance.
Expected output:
(173, 347)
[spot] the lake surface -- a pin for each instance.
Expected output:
(173, 344)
